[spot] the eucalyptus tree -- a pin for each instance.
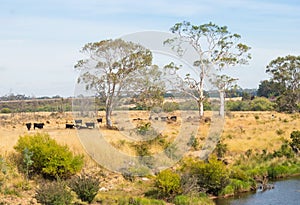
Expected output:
(223, 83)
(286, 72)
(149, 86)
(214, 45)
(108, 69)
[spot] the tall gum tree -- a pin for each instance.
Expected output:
(214, 45)
(286, 72)
(108, 69)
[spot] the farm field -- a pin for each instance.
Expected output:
(242, 131)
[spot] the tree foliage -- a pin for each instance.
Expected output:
(149, 87)
(108, 68)
(286, 72)
(269, 89)
(214, 45)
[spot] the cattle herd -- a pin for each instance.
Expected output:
(77, 124)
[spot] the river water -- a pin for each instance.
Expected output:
(286, 192)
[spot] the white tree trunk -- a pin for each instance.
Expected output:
(108, 112)
(201, 109)
(201, 95)
(222, 103)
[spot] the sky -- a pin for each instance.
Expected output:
(40, 41)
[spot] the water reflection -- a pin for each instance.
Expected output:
(285, 192)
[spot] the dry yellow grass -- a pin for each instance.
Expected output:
(258, 130)
(242, 130)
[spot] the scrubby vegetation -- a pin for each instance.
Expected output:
(42, 155)
(86, 187)
(55, 193)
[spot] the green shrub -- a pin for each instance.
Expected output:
(295, 144)
(53, 194)
(279, 132)
(49, 158)
(221, 149)
(145, 129)
(170, 106)
(191, 200)
(261, 104)
(239, 185)
(285, 150)
(210, 177)
(5, 110)
(140, 201)
(171, 151)
(193, 142)
(168, 183)
(86, 187)
(277, 171)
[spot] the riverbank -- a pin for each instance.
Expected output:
(286, 191)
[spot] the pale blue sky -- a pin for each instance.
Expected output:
(40, 40)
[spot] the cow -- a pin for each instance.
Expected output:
(137, 119)
(38, 125)
(99, 120)
(173, 118)
(28, 125)
(164, 118)
(70, 126)
(78, 122)
(90, 124)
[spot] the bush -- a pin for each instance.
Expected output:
(210, 177)
(221, 149)
(285, 150)
(191, 200)
(261, 104)
(5, 110)
(295, 144)
(193, 142)
(277, 171)
(168, 183)
(170, 106)
(53, 194)
(86, 187)
(140, 201)
(279, 132)
(237, 186)
(49, 158)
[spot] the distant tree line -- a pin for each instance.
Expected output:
(13, 96)
(25, 104)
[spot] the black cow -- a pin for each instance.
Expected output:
(28, 125)
(137, 119)
(99, 120)
(173, 118)
(70, 126)
(78, 122)
(38, 125)
(90, 124)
